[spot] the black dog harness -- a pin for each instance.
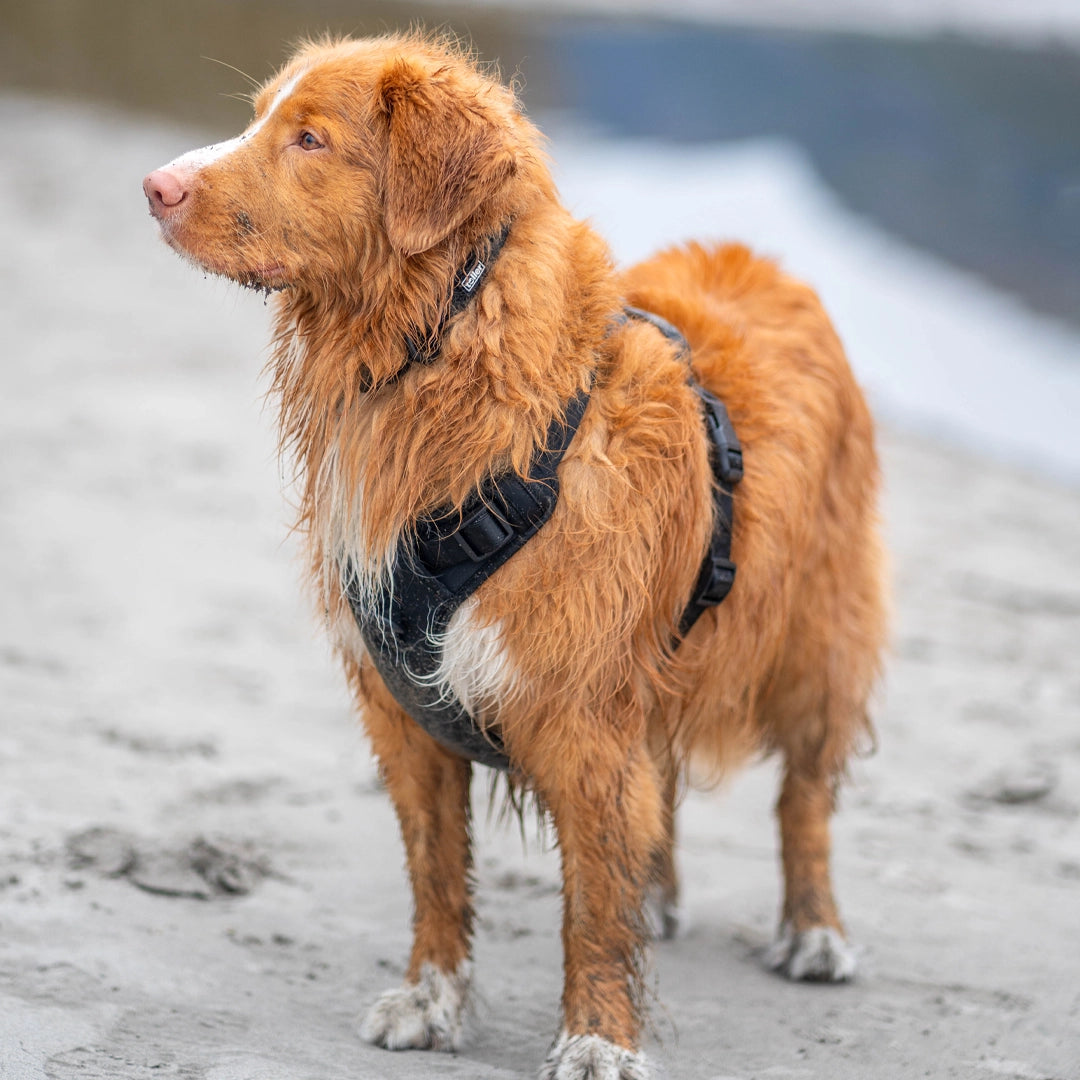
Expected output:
(450, 554)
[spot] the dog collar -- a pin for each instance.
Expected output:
(425, 347)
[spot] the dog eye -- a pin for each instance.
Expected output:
(308, 141)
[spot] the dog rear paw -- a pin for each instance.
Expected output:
(819, 954)
(588, 1057)
(430, 1014)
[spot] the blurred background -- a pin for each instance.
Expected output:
(849, 137)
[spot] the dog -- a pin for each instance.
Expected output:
(438, 317)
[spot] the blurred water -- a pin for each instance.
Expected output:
(971, 150)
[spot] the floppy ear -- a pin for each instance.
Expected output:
(445, 156)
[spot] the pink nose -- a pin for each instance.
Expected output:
(166, 190)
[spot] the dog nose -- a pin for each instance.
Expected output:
(165, 190)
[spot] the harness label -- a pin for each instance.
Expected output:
(472, 279)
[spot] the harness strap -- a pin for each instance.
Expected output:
(717, 573)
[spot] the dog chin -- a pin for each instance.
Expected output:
(265, 279)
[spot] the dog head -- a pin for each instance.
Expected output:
(359, 152)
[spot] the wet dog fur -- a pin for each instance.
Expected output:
(370, 173)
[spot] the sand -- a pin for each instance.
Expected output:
(199, 876)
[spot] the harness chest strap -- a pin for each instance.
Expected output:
(440, 566)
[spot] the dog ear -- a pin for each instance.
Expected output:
(445, 157)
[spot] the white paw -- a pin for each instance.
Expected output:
(430, 1014)
(819, 954)
(588, 1057)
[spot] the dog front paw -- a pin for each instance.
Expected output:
(819, 954)
(588, 1057)
(430, 1014)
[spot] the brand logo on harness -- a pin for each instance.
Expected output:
(472, 278)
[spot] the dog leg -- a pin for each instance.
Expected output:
(662, 899)
(606, 805)
(811, 944)
(430, 791)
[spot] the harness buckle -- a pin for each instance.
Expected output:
(482, 534)
(720, 581)
(729, 463)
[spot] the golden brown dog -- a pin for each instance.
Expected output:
(372, 172)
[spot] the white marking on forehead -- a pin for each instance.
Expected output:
(206, 155)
